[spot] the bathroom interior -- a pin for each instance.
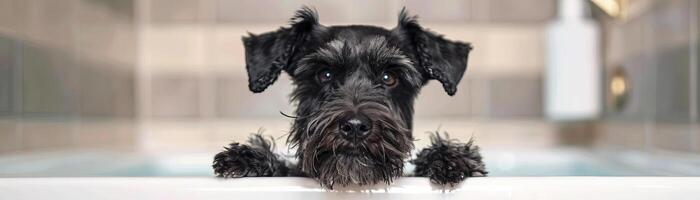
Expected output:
(155, 88)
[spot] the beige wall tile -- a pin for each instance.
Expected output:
(174, 11)
(104, 133)
(226, 47)
(116, 43)
(621, 134)
(480, 97)
(106, 90)
(213, 135)
(236, 100)
(515, 97)
(489, 133)
(614, 45)
(175, 95)
(247, 11)
(46, 75)
(174, 47)
(7, 70)
(106, 32)
(434, 101)
(175, 135)
(10, 17)
(674, 137)
(10, 139)
(517, 11)
(51, 22)
(670, 24)
(46, 134)
(634, 39)
(695, 137)
(445, 11)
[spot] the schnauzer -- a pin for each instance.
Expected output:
(354, 89)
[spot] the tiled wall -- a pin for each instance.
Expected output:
(657, 47)
(193, 57)
(96, 73)
(66, 68)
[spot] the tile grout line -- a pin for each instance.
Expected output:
(693, 62)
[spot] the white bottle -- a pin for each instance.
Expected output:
(573, 65)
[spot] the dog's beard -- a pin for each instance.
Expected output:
(333, 160)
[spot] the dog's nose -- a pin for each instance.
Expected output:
(355, 127)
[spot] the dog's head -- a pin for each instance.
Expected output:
(355, 88)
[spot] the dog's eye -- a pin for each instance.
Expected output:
(325, 76)
(389, 79)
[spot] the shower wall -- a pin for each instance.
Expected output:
(656, 46)
(148, 74)
(67, 74)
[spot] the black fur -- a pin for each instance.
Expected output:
(349, 72)
(256, 159)
(447, 161)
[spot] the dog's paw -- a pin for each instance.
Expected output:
(449, 162)
(256, 159)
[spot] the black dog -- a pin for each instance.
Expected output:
(355, 88)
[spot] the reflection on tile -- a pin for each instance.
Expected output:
(175, 95)
(641, 75)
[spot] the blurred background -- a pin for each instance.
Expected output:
(157, 87)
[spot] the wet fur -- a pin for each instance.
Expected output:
(357, 56)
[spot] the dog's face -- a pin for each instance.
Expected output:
(355, 88)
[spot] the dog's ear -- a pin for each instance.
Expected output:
(437, 57)
(269, 53)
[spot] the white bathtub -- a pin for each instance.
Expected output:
(584, 188)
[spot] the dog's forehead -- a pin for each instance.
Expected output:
(358, 31)
(360, 44)
(358, 48)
